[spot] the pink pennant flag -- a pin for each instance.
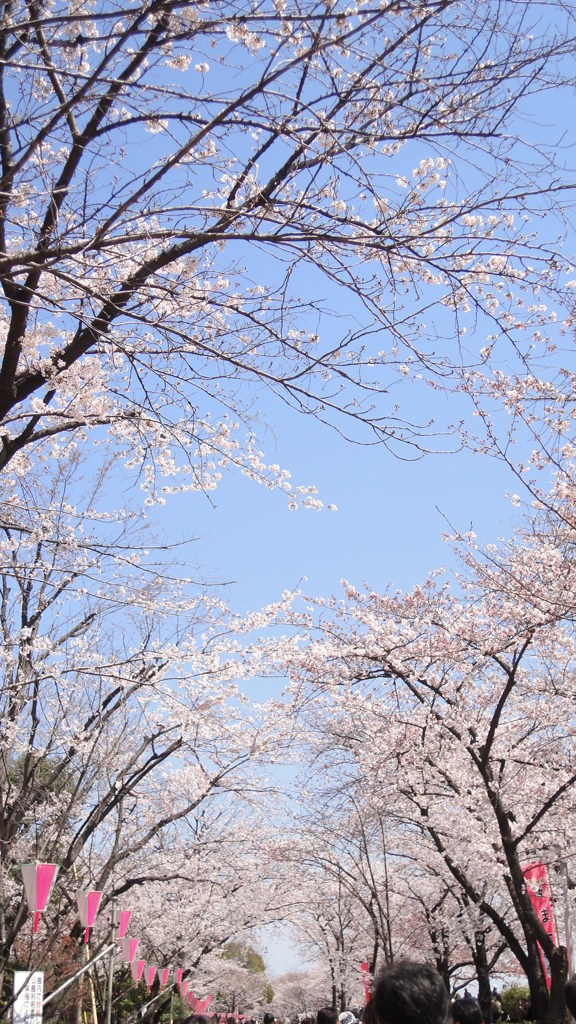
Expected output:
(123, 925)
(137, 967)
(164, 975)
(87, 908)
(207, 1002)
(150, 972)
(178, 977)
(183, 988)
(38, 881)
(189, 997)
(129, 947)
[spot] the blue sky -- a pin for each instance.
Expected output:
(387, 529)
(392, 511)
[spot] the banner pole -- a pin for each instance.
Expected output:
(111, 967)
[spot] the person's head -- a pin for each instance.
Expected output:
(467, 1011)
(369, 1017)
(327, 1015)
(570, 994)
(268, 1018)
(407, 992)
(347, 1017)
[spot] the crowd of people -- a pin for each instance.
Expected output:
(407, 992)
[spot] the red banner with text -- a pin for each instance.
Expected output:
(539, 893)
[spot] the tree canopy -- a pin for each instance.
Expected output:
(210, 212)
(314, 200)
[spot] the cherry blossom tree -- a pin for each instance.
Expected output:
(326, 923)
(202, 890)
(347, 842)
(120, 723)
(188, 193)
(240, 980)
(360, 838)
(456, 700)
(300, 993)
(189, 892)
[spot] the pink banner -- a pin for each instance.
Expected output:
(539, 893)
(123, 926)
(164, 975)
(38, 880)
(137, 967)
(129, 947)
(87, 908)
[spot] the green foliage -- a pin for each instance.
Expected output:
(269, 993)
(515, 1000)
(127, 998)
(180, 1011)
(38, 774)
(29, 779)
(8, 980)
(245, 956)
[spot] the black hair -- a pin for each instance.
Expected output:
(467, 1011)
(407, 992)
(327, 1015)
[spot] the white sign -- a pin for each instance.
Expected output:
(29, 992)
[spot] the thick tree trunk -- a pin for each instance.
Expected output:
(483, 976)
(556, 1011)
(536, 982)
(342, 997)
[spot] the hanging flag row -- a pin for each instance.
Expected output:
(39, 882)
